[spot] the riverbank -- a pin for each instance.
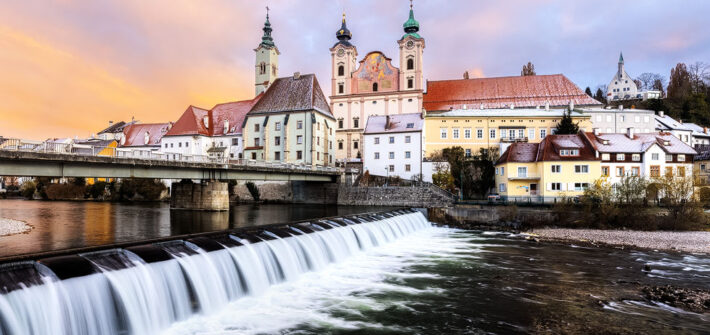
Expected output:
(687, 241)
(12, 227)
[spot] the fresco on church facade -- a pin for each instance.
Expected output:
(376, 69)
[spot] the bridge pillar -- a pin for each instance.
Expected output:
(205, 196)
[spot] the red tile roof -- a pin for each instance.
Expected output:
(134, 135)
(289, 94)
(549, 149)
(501, 92)
(192, 120)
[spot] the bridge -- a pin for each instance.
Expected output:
(211, 194)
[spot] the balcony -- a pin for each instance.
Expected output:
(524, 176)
(513, 139)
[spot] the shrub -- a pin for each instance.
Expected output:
(254, 190)
(28, 189)
(65, 192)
(148, 189)
(704, 194)
(97, 190)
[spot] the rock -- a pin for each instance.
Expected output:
(647, 268)
(694, 300)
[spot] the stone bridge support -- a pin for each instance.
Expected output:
(205, 196)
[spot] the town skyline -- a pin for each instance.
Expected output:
(63, 79)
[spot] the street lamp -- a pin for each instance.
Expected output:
(388, 176)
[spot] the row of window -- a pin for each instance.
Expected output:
(407, 168)
(504, 133)
(299, 140)
(523, 170)
(625, 89)
(622, 118)
(235, 141)
(277, 126)
(637, 157)
(621, 171)
(407, 154)
(407, 139)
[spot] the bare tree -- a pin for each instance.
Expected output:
(699, 73)
(648, 79)
(528, 70)
(659, 86)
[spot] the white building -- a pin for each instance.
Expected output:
(622, 86)
(142, 140)
(648, 155)
(700, 135)
(393, 146)
(667, 124)
(619, 120)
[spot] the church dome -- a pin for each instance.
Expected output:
(411, 26)
(343, 34)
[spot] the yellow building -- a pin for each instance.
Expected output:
(557, 167)
(473, 129)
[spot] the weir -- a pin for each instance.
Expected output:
(143, 289)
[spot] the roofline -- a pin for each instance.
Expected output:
(378, 93)
(392, 132)
(537, 75)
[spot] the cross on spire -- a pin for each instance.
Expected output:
(411, 4)
(267, 12)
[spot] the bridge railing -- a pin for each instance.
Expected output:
(10, 144)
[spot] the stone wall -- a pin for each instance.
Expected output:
(209, 196)
(467, 216)
(305, 192)
(393, 196)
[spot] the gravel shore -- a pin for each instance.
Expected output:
(695, 242)
(11, 227)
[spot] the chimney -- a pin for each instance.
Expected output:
(464, 107)
(481, 107)
(596, 131)
(571, 105)
(705, 130)
(133, 119)
(607, 107)
(547, 105)
(661, 113)
(512, 106)
(387, 122)
(296, 75)
(630, 132)
(110, 123)
(465, 75)
(621, 107)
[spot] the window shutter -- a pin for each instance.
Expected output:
(563, 186)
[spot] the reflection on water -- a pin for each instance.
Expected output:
(66, 224)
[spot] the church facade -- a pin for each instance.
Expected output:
(373, 86)
(622, 86)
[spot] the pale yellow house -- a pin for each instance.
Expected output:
(473, 129)
(558, 167)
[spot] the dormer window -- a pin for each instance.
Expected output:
(569, 152)
(146, 138)
(226, 126)
(206, 121)
(410, 125)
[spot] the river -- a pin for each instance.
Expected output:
(60, 225)
(421, 280)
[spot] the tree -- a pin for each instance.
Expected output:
(528, 70)
(600, 95)
(679, 83)
(475, 175)
(589, 92)
(648, 80)
(631, 189)
(638, 83)
(658, 86)
(698, 73)
(567, 125)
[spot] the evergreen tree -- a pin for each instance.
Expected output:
(599, 96)
(566, 126)
(528, 70)
(589, 92)
(679, 84)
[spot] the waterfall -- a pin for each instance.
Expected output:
(126, 294)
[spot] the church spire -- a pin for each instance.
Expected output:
(266, 40)
(343, 34)
(621, 58)
(411, 26)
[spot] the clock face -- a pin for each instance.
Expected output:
(341, 52)
(410, 44)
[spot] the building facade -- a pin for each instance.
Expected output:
(393, 146)
(560, 166)
(622, 86)
(142, 139)
(619, 120)
(373, 86)
(291, 123)
(475, 129)
(647, 155)
(667, 124)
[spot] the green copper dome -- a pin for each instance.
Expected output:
(267, 40)
(411, 27)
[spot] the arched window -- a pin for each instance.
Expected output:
(262, 68)
(374, 87)
(341, 70)
(410, 64)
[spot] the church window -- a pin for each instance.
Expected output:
(341, 70)
(340, 145)
(410, 83)
(356, 123)
(340, 123)
(374, 87)
(341, 88)
(262, 68)
(410, 64)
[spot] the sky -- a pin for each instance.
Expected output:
(67, 67)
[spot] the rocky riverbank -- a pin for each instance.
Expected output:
(12, 227)
(693, 242)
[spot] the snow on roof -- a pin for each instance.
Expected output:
(666, 122)
(135, 135)
(621, 143)
(398, 123)
(517, 112)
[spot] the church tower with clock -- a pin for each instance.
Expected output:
(372, 86)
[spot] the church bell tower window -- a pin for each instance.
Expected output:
(410, 64)
(341, 70)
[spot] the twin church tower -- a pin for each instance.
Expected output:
(372, 86)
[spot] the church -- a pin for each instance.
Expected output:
(373, 86)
